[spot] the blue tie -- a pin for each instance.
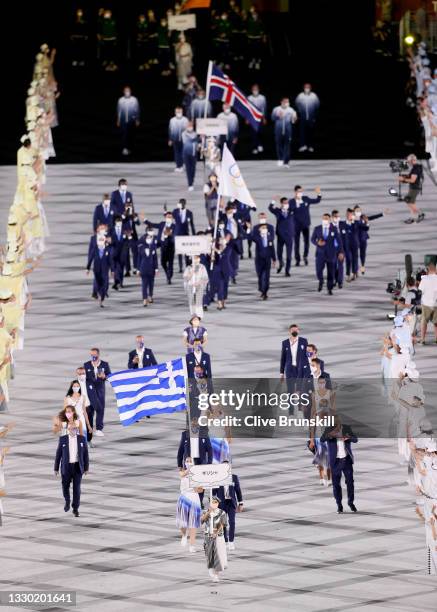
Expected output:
(264, 241)
(325, 233)
(101, 253)
(118, 234)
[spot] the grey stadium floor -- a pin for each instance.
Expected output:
(293, 551)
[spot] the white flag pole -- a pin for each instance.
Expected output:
(205, 112)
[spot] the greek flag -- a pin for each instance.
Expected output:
(154, 390)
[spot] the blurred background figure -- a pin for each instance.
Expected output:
(107, 40)
(128, 119)
(184, 61)
(79, 39)
(307, 105)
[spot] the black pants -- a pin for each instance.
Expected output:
(281, 243)
(167, 260)
(99, 409)
(73, 474)
(305, 231)
(343, 466)
(229, 508)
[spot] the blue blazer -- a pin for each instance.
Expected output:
(184, 450)
(102, 265)
(263, 253)
(234, 493)
(333, 244)
(182, 229)
(285, 227)
(205, 362)
(99, 217)
(147, 264)
(302, 363)
(148, 359)
(302, 217)
(63, 455)
(96, 386)
(332, 443)
(117, 203)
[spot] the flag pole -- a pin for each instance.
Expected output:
(214, 236)
(205, 112)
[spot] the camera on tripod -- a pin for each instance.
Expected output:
(394, 287)
(398, 165)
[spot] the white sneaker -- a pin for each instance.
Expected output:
(231, 546)
(325, 482)
(179, 169)
(211, 572)
(99, 433)
(192, 549)
(280, 162)
(191, 188)
(321, 481)
(286, 165)
(311, 149)
(216, 578)
(184, 540)
(255, 152)
(260, 149)
(302, 149)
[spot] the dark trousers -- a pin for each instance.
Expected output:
(90, 412)
(339, 271)
(351, 260)
(180, 260)
(263, 267)
(127, 134)
(343, 466)
(99, 408)
(306, 132)
(363, 250)
(118, 269)
(190, 168)
(167, 260)
(321, 262)
(177, 149)
(288, 249)
(147, 282)
(305, 231)
(283, 143)
(101, 284)
(229, 508)
(219, 285)
(73, 474)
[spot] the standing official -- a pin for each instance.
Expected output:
(307, 104)
(128, 119)
(96, 371)
(141, 356)
(260, 103)
(285, 231)
(329, 246)
(176, 126)
(300, 206)
(283, 117)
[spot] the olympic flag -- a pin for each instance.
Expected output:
(231, 183)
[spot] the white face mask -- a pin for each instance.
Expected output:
(123, 187)
(178, 114)
(118, 225)
(82, 378)
(255, 92)
(336, 220)
(188, 464)
(325, 223)
(76, 389)
(101, 244)
(227, 111)
(149, 240)
(168, 223)
(358, 214)
(299, 195)
(307, 90)
(285, 104)
(179, 205)
(127, 94)
(106, 202)
(101, 233)
(221, 226)
(263, 234)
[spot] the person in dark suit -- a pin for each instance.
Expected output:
(243, 217)
(72, 458)
(328, 244)
(341, 461)
(96, 372)
(100, 257)
(198, 358)
(119, 250)
(103, 213)
(231, 501)
(120, 197)
(349, 235)
(147, 267)
(200, 439)
(262, 220)
(339, 262)
(300, 206)
(285, 231)
(265, 257)
(184, 223)
(294, 364)
(141, 356)
(222, 270)
(363, 232)
(312, 353)
(131, 221)
(165, 241)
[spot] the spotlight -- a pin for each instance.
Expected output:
(409, 40)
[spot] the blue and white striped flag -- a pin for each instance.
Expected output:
(155, 390)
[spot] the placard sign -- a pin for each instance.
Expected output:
(211, 127)
(210, 475)
(192, 245)
(182, 22)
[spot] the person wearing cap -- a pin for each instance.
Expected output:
(428, 287)
(307, 105)
(231, 501)
(165, 241)
(285, 231)
(184, 224)
(214, 521)
(300, 207)
(141, 356)
(194, 331)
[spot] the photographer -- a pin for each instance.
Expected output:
(414, 179)
(428, 287)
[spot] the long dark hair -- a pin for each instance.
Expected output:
(62, 416)
(70, 390)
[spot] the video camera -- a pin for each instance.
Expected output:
(394, 287)
(399, 166)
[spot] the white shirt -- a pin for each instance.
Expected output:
(341, 450)
(140, 353)
(194, 446)
(72, 447)
(293, 347)
(428, 287)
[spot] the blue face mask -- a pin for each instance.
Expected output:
(94, 357)
(309, 354)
